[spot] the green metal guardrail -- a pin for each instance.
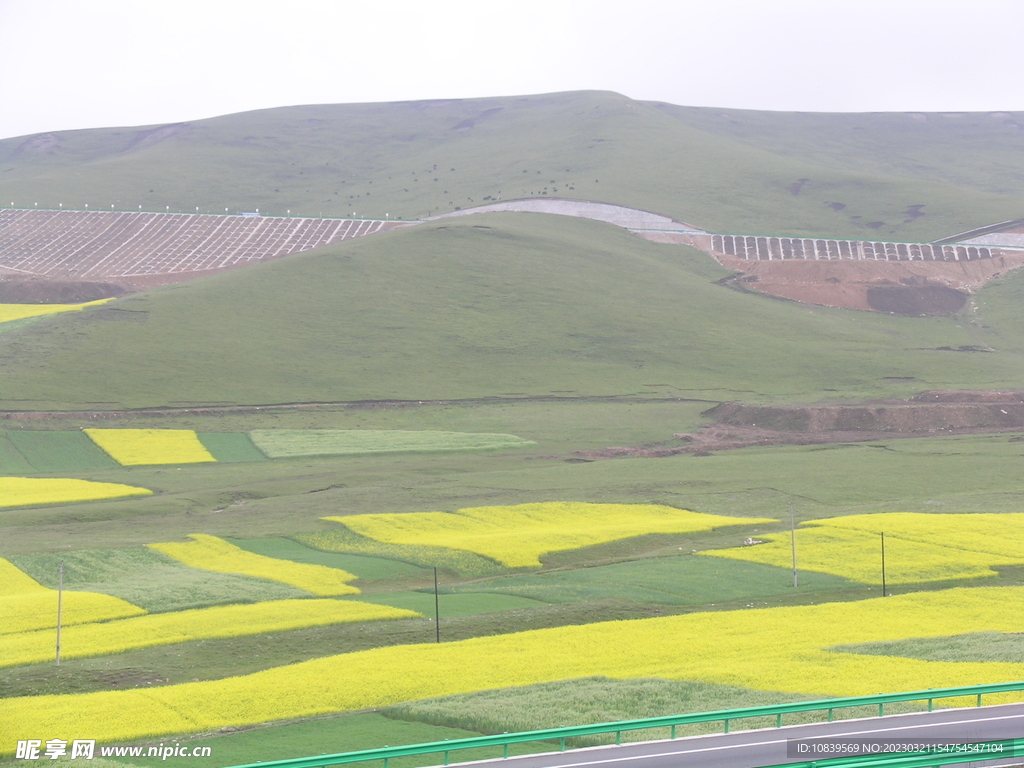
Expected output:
(726, 716)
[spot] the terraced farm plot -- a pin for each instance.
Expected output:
(517, 536)
(364, 568)
(230, 446)
(60, 451)
(27, 605)
(289, 443)
(214, 554)
(773, 649)
(682, 580)
(99, 639)
(40, 491)
(134, 447)
(918, 547)
(150, 579)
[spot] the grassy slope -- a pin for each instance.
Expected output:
(496, 305)
(980, 646)
(977, 150)
(415, 159)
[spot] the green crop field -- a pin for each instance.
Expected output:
(489, 361)
(289, 443)
(458, 604)
(341, 539)
(149, 579)
(12, 461)
(677, 580)
(230, 446)
(60, 451)
(366, 568)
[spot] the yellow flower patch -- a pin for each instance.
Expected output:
(26, 605)
(182, 626)
(10, 312)
(517, 536)
(134, 447)
(213, 554)
(774, 649)
(918, 547)
(39, 491)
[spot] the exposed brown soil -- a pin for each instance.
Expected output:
(928, 414)
(57, 291)
(901, 287)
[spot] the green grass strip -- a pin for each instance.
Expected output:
(13, 325)
(230, 446)
(584, 701)
(974, 647)
(12, 462)
(680, 580)
(60, 451)
(285, 443)
(342, 539)
(459, 604)
(366, 568)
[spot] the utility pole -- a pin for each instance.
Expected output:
(437, 610)
(883, 564)
(60, 604)
(792, 540)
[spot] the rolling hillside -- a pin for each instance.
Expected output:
(767, 172)
(497, 305)
(490, 434)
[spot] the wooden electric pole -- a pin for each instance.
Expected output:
(60, 604)
(437, 610)
(792, 539)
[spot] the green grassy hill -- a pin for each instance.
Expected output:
(976, 150)
(495, 305)
(415, 159)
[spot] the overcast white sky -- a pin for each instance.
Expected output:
(73, 64)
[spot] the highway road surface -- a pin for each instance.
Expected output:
(751, 749)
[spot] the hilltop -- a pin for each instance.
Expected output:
(888, 176)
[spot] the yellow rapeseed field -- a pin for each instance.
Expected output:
(774, 649)
(27, 605)
(213, 554)
(10, 312)
(37, 491)
(197, 624)
(918, 547)
(132, 447)
(517, 536)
